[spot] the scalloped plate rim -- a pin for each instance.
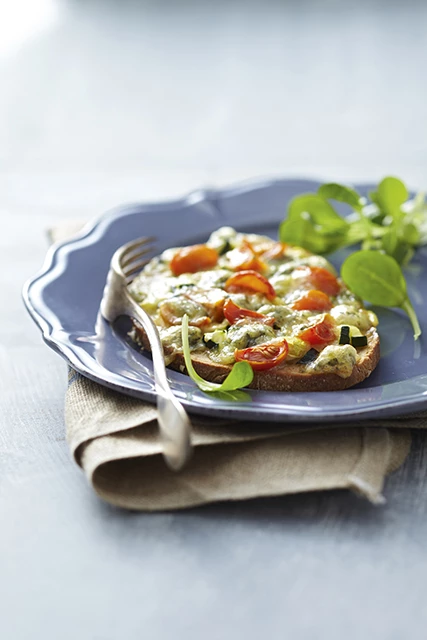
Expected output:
(374, 409)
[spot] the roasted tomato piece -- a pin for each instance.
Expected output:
(234, 313)
(213, 302)
(172, 311)
(263, 356)
(250, 282)
(275, 252)
(313, 300)
(321, 333)
(193, 259)
(244, 258)
(321, 278)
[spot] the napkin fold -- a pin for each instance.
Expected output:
(114, 438)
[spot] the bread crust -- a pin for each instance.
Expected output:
(284, 377)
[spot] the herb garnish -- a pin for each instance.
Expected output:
(377, 278)
(389, 228)
(240, 375)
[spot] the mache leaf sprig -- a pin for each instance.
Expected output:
(241, 374)
(388, 226)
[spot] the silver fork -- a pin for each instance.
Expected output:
(174, 423)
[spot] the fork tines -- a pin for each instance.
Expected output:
(134, 256)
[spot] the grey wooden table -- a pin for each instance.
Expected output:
(107, 102)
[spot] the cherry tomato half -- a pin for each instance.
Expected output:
(322, 279)
(313, 300)
(244, 258)
(275, 252)
(249, 282)
(321, 333)
(263, 356)
(193, 259)
(234, 313)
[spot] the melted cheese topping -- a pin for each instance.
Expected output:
(167, 298)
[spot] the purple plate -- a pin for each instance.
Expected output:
(64, 299)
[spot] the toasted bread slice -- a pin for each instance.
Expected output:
(255, 292)
(285, 377)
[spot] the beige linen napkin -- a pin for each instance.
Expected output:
(114, 438)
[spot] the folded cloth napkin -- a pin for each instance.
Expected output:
(114, 438)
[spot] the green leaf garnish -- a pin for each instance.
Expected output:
(410, 233)
(238, 395)
(402, 234)
(347, 195)
(378, 279)
(314, 224)
(341, 193)
(389, 223)
(240, 376)
(389, 228)
(391, 194)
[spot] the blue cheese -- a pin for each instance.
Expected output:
(359, 318)
(310, 261)
(253, 302)
(179, 305)
(219, 337)
(283, 316)
(241, 336)
(222, 239)
(338, 359)
(149, 291)
(248, 334)
(201, 296)
(172, 341)
(214, 278)
(281, 283)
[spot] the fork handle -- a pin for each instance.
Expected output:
(174, 423)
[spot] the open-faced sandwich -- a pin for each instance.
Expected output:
(249, 298)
